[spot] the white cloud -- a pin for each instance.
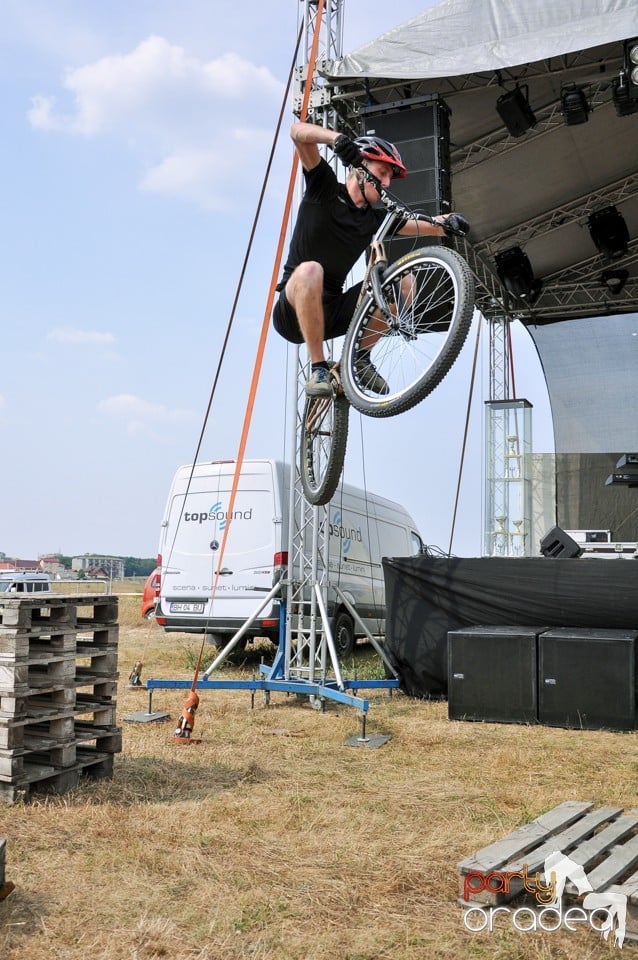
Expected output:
(177, 113)
(206, 175)
(141, 415)
(69, 335)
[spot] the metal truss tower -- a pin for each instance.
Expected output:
(309, 650)
(308, 640)
(306, 662)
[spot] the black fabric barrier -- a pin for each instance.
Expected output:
(426, 598)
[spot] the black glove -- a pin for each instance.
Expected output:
(347, 151)
(456, 225)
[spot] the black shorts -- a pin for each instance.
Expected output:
(337, 311)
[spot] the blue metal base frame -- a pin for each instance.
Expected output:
(274, 679)
(327, 690)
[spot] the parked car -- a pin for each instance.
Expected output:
(151, 594)
(24, 581)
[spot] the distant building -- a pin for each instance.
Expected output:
(12, 563)
(94, 566)
(53, 565)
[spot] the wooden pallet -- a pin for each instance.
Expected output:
(19, 643)
(15, 733)
(34, 702)
(37, 614)
(58, 684)
(42, 778)
(603, 842)
(32, 673)
(58, 611)
(5, 886)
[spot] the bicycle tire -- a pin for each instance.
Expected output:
(428, 332)
(324, 437)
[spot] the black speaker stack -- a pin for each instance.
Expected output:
(419, 127)
(564, 677)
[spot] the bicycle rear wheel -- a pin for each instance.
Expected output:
(324, 435)
(430, 294)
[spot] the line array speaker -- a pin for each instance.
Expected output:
(420, 130)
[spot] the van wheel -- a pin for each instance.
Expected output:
(219, 641)
(343, 634)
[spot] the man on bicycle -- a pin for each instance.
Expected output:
(335, 224)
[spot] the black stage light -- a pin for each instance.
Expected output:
(515, 111)
(629, 479)
(609, 232)
(515, 273)
(574, 105)
(631, 66)
(614, 280)
(624, 104)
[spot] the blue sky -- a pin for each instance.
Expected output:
(135, 135)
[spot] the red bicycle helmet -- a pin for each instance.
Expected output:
(375, 148)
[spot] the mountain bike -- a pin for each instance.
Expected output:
(411, 321)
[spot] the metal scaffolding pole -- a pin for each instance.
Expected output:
(309, 650)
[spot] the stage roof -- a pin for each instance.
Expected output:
(537, 190)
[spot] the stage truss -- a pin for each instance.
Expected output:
(306, 663)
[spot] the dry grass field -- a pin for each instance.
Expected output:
(273, 840)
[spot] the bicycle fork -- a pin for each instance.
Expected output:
(376, 271)
(375, 279)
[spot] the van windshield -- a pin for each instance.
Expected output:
(4, 585)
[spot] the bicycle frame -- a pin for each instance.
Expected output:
(378, 260)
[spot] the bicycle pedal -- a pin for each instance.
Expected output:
(335, 373)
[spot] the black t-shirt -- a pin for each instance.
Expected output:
(330, 228)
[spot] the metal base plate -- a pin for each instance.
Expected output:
(142, 717)
(378, 740)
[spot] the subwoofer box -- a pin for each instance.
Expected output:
(492, 674)
(587, 678)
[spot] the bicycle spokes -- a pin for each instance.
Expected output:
(324, 437)
(429, 295)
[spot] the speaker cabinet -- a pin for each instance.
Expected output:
(587, 678)
(559, 545)
(492, 674)
(420, 130)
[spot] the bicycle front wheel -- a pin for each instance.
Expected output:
(324, 435)
(430, 295)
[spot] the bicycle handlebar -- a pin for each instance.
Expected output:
(455, 224)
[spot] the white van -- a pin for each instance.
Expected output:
(24, 581)
(363, 528)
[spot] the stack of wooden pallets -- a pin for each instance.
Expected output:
(58, 686)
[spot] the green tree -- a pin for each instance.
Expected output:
(138, 566)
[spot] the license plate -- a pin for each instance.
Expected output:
(187, 607)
